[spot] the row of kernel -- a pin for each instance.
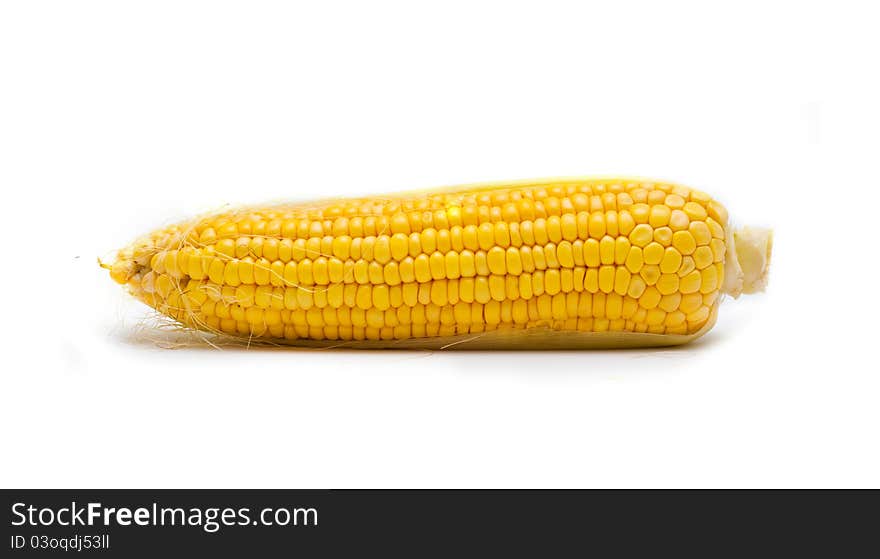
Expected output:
(656, 207)
(545, 193)
(405, 332)
(499, 196)
(545, 309)
(196, 263)
(207, 297)
(346, 333)
(651, 259)
(605, 279)
(650, 307)
(384, 248)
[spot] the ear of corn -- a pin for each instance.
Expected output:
(536, 264)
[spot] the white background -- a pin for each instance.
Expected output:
(117, 117)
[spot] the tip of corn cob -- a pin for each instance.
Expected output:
(748, 260)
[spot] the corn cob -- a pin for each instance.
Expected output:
(556, 263)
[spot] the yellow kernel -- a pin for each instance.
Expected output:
(428, 240)
(636, 287)
(497, 287)
(606, 250)
(444, 241)
(597, 225)
(481, 264)
(320, 273)
(502, 234)
(678, 220)
(544, 307)
(695, 211)
(703, 257)
(655, 317)
(554, 229)
(673, 319)
(650, 273)
(625, 223)
(569, 227)
(611, 227)
(224, 247)
(621, 250)
(670, 301)
(469, 237)
(614, 306)
(606, 278)
(439, 293)
(486, 236)
(415, 244)
(687, 266)
(577, 253)
(481, 290)
(496, 258)
(667, 283)
(674, 201)
(700, 232)
(653, 253)
(640, 212)
(709, 280)
(364, 298)
(410, 294)
(513, 261)
(650, 298)
(641, 235)
(382, 249)
(437, 263)
(422, 268)
(718, 249)
(659, 216)
(520, 312)
(690, 283)
(466, 264)
(599, 305)
(716, 229)
(453, 216)
(552, 282)
(591, 280)
(208, 237)
(525, 286)
(634, 260)
(583, 224)
(717, 212)
(451, 265)
(690, 302)
(527, 232)
(380, 297)
(671, 261)
(698, 316)
(565, 255)
(684, 242)
(538, 258)
(230, 273)
(585, 305)
(242, 247)
(304, 298)
(591, 253)
(622, 278)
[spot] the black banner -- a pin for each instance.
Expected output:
(319, 523)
